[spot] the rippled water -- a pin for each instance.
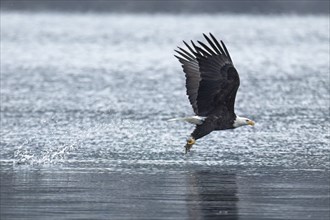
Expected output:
(84, 104)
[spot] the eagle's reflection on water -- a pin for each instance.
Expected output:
(116, 195)
(192, 194)
(211, 195)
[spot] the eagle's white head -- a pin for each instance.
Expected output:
(240, 121)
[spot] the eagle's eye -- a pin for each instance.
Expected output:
(246, 120)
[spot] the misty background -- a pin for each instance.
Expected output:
(180, 6)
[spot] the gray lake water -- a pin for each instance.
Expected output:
(84, 104)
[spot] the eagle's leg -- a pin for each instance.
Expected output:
(200, 131)
(190, 142)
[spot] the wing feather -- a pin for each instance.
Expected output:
(211, 78)
(227, 53)
(183, 55)
(207, 48)
(189, 48)
(187, 53)
(212, 44)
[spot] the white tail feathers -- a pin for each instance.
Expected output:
(196, 120)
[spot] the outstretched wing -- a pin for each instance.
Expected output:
(218, 78)
(191, 69)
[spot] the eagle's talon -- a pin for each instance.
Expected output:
(190, 143)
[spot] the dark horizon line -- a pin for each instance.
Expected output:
(171, 7)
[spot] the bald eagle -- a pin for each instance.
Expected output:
(211, 82)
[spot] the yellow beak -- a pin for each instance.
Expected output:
(251, 123)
